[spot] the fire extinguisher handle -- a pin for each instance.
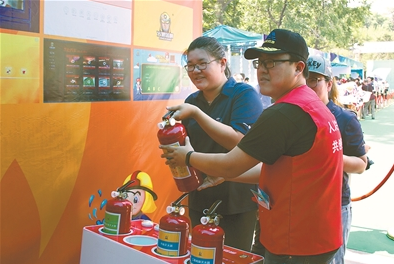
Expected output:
(167, 120)
(168, 115)
(213, 208)
(178, 201)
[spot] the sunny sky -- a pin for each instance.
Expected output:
(382, 6)
(378, 6)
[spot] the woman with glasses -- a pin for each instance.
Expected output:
(216, 117)
(354, 148)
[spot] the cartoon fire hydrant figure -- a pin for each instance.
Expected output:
(141, 195)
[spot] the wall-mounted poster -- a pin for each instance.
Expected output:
(108, 21)
(158, 75)
(81, 72)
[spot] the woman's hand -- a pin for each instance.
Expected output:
(176, 155)
(183, 111)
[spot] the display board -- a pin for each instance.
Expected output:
(83, 85)
(81, 72)
(160, 79)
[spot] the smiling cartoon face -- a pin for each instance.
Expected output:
(141, 195)
(137, 198)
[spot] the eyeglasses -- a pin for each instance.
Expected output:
(312, 82)
(268, 64)
(200, 66)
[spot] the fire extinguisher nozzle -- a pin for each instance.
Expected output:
(161, 125)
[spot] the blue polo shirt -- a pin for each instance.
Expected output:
(352, 141)
(238, 105)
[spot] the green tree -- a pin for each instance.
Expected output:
(221, 12)
(327, 25)
(323, 23)
(262, 16)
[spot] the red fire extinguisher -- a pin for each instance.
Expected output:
(171, 133)
(118, 212)
(208, 238)
(174, 229)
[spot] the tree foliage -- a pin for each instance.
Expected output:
(325, 24)
(221, 12)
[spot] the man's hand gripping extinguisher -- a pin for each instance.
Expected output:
(171, 133)
(208, 238)
(174, 230)
(118, 212)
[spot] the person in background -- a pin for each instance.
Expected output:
(238, 77)
(358, 94)
(370, 104)
(354, 148)
(379, 88)
(216, 118)
(293, 151)
(385, 93)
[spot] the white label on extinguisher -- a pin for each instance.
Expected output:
(202, 255)
(168, 243)
(179, 172)
(111, 223)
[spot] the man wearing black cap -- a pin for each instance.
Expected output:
(298, 143)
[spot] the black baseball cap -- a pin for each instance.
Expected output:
(280, 41)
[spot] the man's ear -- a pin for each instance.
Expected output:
(329, 86)
(300, 66)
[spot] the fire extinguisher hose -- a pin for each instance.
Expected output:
(376, 188)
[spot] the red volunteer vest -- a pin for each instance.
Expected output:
(305, 190)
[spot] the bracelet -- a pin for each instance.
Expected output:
(187, 159)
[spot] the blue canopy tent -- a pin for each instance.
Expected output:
(232, 36)
(346, 66)
(236, 41)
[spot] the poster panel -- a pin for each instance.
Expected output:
(158, 75)
(82, 72)
(102, 21)
(19, 75)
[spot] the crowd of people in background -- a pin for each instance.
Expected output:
(361, 96)
(364, 96)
